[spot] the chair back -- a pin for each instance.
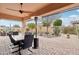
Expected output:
(28, 39)
(15, 33)
(11, 38)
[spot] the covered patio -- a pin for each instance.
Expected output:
(47, 46)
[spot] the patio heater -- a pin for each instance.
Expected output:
(36, 40)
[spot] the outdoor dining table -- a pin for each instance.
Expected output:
(18, 37)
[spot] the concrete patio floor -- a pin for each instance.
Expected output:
(47, 46)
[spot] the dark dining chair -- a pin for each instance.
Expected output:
(16, 44)
(27, 43)
(12, 40)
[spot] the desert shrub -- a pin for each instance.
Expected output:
(69, 30)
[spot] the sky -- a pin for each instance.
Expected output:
(66, 18)
(9, 22)
(69, 16)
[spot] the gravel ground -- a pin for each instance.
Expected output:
(47, 46)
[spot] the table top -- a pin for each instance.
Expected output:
(18, 37)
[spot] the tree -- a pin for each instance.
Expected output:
(46, 23)
(31, 25)
(57, 23)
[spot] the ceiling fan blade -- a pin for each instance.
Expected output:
(27, 11)
(12, 9)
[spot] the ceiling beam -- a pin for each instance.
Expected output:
(50, 7)
(10, 17)
(62, 10)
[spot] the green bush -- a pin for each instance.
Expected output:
(57, 22)
(31, 25)
(46, 23)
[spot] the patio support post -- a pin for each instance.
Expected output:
(36, 41)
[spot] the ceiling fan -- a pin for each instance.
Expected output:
(20, 11)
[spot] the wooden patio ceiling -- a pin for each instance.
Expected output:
(37, 9)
